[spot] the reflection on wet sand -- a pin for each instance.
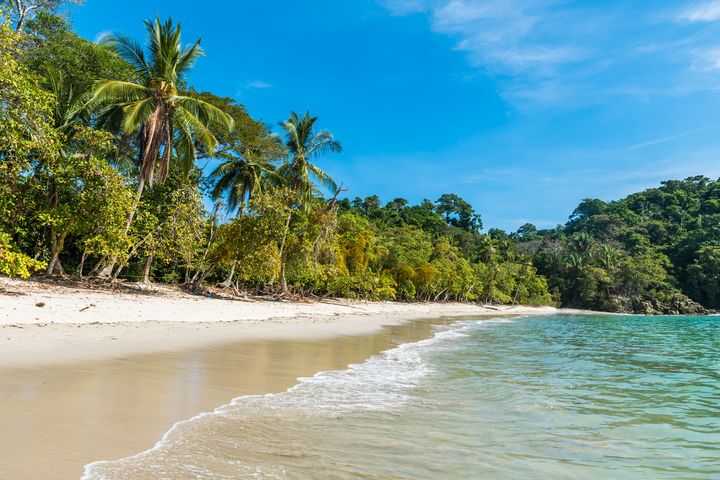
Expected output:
(54, 420)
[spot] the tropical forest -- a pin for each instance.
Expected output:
(113, 169)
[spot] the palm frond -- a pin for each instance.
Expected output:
(71, 104)
(323, 178)
(118, 91)
(184, 144)
(197, 128)
(323, 143)
(205, 112)
(128, 48)
(137, 113)
(187, 58)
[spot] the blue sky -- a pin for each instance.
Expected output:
(522, 107)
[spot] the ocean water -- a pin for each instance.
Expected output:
(551, 397)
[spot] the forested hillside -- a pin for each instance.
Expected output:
(113, 167)
(643, 253)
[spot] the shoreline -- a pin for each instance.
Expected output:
(43, 324)
(111, 406)
(111, 379)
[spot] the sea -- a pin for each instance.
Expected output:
(536, 397)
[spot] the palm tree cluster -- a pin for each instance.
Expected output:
(170, 125)
(160, 127)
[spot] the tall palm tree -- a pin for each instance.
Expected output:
(154, 106)
(299, 173)
(304, 145)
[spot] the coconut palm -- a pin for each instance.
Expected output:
(304, 145)
(299, 173)
(239, 177)
(165, 119)
(154, 106)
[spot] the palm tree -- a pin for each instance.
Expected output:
(298, 172)
(609, 257)
(238, 178)
(165, 118)
(304, 145)
(584, 243)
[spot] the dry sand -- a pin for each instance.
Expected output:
(93, 375)
(43, 324)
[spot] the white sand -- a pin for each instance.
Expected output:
(43, 324)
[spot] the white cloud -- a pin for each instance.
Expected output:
(560, 52)
(500, 34)
(527, 42)
(705, 12)
(707, 59)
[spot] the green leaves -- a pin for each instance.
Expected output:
(640, 254)
(118, 92)
(14, 263)
(304, 144)
(154, 106)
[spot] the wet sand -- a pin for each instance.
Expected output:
(56, 419)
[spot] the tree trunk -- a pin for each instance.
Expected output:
(96, 268)
(53, 199)
(22, 13)
(56, 246)
(146, 269)
(107, 271)
(283, 280)
(134, 249)
(82, 264)
(53, 253)
(197, 283)
(229, 279)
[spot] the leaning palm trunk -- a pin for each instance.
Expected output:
(146, 269)
(283, 279)
(156, 135)
(228, 280)
(153, 136)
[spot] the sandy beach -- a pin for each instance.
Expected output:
(94, 375)
(46, 324)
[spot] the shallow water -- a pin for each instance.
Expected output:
(575, 397)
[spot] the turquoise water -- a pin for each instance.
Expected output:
(553, 397)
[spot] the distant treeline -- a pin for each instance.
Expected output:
(99, 147)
